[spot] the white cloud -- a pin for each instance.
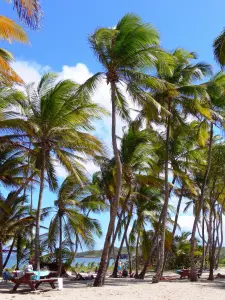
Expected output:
(78, 73)
(32, 72)
(29, 71)
(186, 222)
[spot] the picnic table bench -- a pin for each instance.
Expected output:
(33, 284)
(187, 273)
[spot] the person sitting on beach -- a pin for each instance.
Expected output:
(6, 275)
(125, 273)
(29, 268)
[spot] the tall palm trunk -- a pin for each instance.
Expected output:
(115, 232)
(221, 239)
(150, 254)
(32, 227)
(1, 258)
(60, 245)
(149, 259)
(18, 251)
(175, 224)
(203, 241)
(210, 239)
(129, 255)
(9, 253)
(114, 275)
(38, 216)
(137, 256)
(99, 280)
(193, 273)
(165, 206)
(213, 245)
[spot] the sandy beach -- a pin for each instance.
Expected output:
(129, 289)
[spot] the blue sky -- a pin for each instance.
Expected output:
(62, 42)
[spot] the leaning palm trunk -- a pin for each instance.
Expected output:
(129, 255)
(193, 275)
(221, 239)
(165, 207)
(18, 250)
(115, 233)
(114, 275)
(203, 241)
(213, 246)
(60, 246)
(99, 280)
(38, 217)
(9, 253)
(1, 258)
(137, 256)
(152, 248)
(149, 259)
(210, 239)
(175, 224)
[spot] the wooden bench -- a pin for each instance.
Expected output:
(33, 284)
(187, 273)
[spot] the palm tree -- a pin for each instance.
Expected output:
(135, 153)
(55, 120)
(14, 216)
(180, 98)
(219, 48)
(216, 100)
(10, 32)
(29, 12)
(123, 52)
(71, 216)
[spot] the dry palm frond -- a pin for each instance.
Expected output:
(7, 75)
(11, 31)
(29, 12)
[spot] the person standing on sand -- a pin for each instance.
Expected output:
(119, 267)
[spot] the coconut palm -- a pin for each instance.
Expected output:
(71, 219)
(14, 216)
(55, 120)
(123, 52)
(219, 48)
(180, 99)
(216, 101)
(10, 32)
(29, 12)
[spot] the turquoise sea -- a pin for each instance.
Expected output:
(85, 260)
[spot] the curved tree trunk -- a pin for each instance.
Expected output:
(210, 239)
(148, 261)
(175, 224)
(115, 233)
(193, 273)
(9, 253)
(203, 241)
(38, 216)
(165, 206)
(137, 256)
(129, 255)
(18, 250)
(100, 278)
(114, 274)
(1, 258)
(221, 239)
(60, 246)
(213, 245)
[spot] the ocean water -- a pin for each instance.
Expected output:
(84, 260)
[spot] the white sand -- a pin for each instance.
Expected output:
(123, 289)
